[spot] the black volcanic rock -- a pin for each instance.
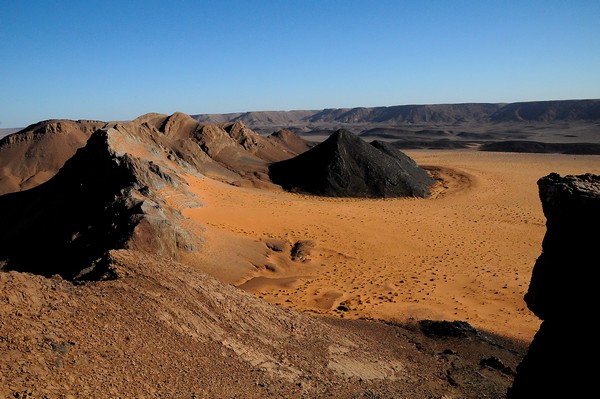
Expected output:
(344, 165)
(563, 292)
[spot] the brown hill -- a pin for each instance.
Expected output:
(33, 155)
(105, 197)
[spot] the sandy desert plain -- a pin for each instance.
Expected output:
(465, 253)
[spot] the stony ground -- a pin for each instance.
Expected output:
(163, 330)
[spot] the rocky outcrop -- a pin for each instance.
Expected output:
(103, 198)
(562, 292)
(345, 165)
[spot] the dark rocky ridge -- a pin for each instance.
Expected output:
(344, 165)
(100, 200)
(562, 292)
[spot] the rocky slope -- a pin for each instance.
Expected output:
(34, 154)
(163, 329)
(344, 165)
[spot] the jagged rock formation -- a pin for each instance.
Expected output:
(231, 151)
(103, 198)
(113, 193)
(344, 165)
(562, 292)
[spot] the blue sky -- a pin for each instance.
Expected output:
(116, 60)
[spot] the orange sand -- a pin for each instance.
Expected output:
(465, 255)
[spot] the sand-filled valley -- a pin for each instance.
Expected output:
(466, 253)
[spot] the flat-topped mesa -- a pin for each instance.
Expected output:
(563, 292)
(344, 165)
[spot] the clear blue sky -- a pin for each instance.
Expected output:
(116, 60)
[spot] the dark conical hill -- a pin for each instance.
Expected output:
(344, 165)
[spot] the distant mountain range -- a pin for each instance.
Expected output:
(535, 111)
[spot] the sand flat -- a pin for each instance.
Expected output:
(466, 254)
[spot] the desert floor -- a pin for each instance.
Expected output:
(465, 254)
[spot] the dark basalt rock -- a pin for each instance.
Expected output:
(562, 292)
(344, 165)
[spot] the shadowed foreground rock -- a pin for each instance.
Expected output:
(562, 293)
